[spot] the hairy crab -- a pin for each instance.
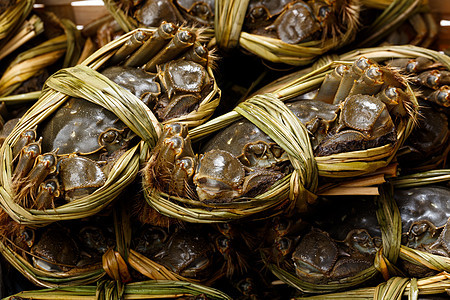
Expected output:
(189, 252)
(295, 21)
(173, 80)
(78, 144)
(242, 161)
(151, 13)
(70, 246)
(292, 243)
(424, 212)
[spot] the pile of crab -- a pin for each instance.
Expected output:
(116, 178)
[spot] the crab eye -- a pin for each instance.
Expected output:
(201, 10)
(259, 13)
(109, 136)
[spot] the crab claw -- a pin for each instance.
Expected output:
(45, 164)
(47, 193)
(173, 164)
(27, 157)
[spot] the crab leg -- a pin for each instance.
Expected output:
(182, 40)
(25, 139)
(198, 54)
(440, 96)
(153, 45)
(47, 193)
(434, 78)
(45, 164)
(394, 98)
(370, 82)
(27, 158)
(134, 42)
(330, 84)
(349, 77)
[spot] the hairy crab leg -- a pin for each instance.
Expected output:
(394, 98)
(48, 191)
(153, 45)
(182, 40)
(45, 164)
(434, 78)
(440, 96)
(27, 157)
(330, 84)
(349, 77)
(198, 54)
(370, 82)
(25, 139)
(133, 43)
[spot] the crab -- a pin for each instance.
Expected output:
(425, 217)
(427, 145)
(220, 175)
(174, 79)
(78, 143)
(189, 252)
(294, 22)
(429, 79)
(318, 258)
(150, 13)
(424, 213)
(64, 247)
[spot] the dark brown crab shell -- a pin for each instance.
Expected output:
(292, 31)
(55, 251)
(79, 134)
(319, 259)
(152, 13)
(78, 127)
(199, 10)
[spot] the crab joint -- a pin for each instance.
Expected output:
(153, 45)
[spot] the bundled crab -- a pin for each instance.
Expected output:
(258, 165)
(354, 243)
(293, 32)
(81, 142)
(63, 254)
(427, 71)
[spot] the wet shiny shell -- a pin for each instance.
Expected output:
(57, 246)
(137, 81)
(235, 137)
(187, 253)
(153, 12)
(429, 203)
(76, 127)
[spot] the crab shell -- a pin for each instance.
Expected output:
(153, 12)
(77, 140)
(319, 259)
(200, 11)
(188, 253)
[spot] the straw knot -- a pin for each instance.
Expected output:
(281, 125)
(115, 266)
